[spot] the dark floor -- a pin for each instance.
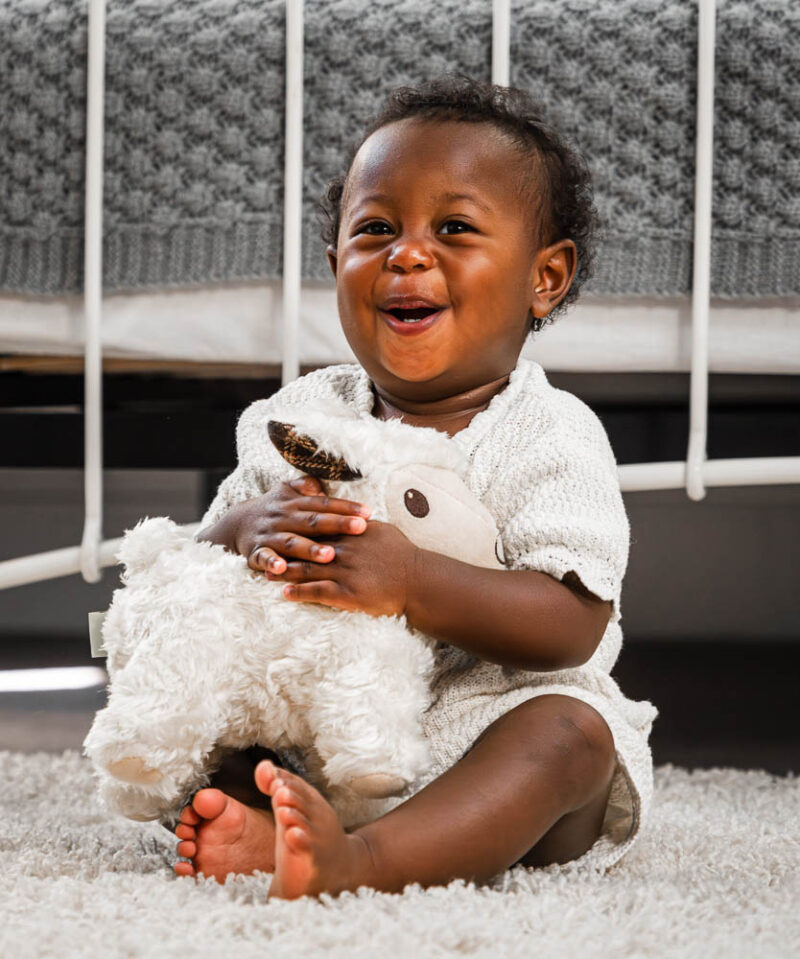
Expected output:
(720, 703)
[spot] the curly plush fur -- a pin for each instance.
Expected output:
(205, 655)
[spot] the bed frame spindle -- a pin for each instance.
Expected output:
(293, 192)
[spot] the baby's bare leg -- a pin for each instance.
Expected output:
(532, 789)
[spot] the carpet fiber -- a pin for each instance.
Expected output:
(716, 874)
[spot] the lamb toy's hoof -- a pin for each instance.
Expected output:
(133, 770)
(378, 785)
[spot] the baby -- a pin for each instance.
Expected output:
(462, 223)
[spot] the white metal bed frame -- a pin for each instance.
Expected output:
(695, 473)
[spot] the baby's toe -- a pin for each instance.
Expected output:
(185, 832)
(270, 781)
(209, 803)
(265, 775)
(282, 795)
(299, 840)
(290, 816)
(188, 816)
(184, 869)
(187, 849)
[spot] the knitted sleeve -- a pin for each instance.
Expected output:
(259, 467)
(569, 514)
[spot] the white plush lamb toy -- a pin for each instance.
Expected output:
(205, 655)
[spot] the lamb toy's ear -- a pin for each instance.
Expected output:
(302, 451)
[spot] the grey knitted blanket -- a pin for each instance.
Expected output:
(195, 115)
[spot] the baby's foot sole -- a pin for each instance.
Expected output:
(229, 837)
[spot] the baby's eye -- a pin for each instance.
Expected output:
(455, 226)
(375, 228)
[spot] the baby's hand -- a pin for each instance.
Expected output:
(281, 524)
(372, 574)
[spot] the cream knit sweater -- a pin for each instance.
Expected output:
(540, 461)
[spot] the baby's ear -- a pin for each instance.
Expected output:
(302, 452)
(553, 273)
(333, 259)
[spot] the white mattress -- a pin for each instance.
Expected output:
(242, 324)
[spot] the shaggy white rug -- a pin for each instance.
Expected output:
(715, 875)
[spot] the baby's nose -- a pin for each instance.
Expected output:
(407, 255)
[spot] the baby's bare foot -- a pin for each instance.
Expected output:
(221, 835)
(313, 853)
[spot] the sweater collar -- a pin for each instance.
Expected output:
(526, 376)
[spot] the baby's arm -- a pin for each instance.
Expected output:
(565, 537)
(520, 618)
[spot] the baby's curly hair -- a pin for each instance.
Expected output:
(555, 182)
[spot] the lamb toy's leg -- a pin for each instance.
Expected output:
(133, 769)
(176, 673)
(153, 743)
(365, 714)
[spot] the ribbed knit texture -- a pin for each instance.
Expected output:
(195, 121)
(540, 461)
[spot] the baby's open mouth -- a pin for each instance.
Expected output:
(413, 315)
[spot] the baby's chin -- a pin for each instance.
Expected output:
(418, 383)
(424, 368)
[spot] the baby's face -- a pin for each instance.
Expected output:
(435, 261)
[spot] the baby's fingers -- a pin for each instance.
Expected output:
(326, 517)
(324, 591)
(308, 486)
(262, 559)
(285, 546)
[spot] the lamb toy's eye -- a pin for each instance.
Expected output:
(416, 503)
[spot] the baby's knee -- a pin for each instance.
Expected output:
(579, 735)
(588, 724)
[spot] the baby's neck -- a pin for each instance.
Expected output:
(449, 415)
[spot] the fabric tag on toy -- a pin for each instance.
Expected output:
(96, 621)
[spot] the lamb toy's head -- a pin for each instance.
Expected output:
(205, 655)
(410, 477)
